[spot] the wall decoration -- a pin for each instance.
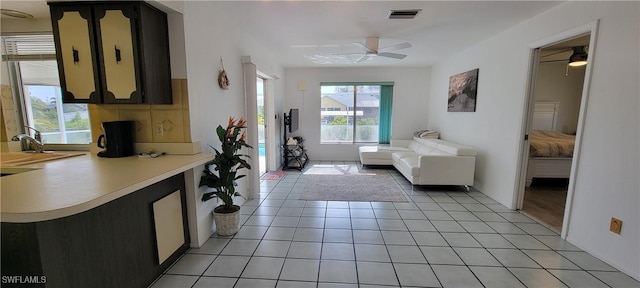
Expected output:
(463, 89)
(223, 80)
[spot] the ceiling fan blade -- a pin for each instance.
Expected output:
(362, 46)
(364, 58)
(397, 46)
(560, 60)
(392, 55)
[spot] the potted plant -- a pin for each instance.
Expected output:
(227, 162)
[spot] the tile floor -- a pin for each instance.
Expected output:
(442, 237)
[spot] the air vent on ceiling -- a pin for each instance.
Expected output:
(404, 14)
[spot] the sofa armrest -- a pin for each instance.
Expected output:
(445, 170)
(400, 143)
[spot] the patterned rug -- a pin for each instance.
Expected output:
(350, 184)
(273, 175)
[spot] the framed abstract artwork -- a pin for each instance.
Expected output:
(463, 89)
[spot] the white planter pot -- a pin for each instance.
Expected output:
(227, 224)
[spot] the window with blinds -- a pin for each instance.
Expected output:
(33, 68)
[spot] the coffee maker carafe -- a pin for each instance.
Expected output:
(117, 139)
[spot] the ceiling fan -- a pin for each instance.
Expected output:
(371, 49)
(578, 58)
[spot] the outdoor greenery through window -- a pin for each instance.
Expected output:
(33, 71)
(351, 113)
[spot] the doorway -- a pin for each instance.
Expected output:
(262, 135)
(554, 122)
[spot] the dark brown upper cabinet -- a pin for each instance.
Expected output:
(112, 52)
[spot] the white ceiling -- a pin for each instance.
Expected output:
(300, 30)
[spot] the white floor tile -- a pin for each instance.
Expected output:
(211, 246)
(392, 224)
(419, 225)
(263, 267)
(338, 271)
(364, 224)
(300, 269)
(496, 277)
(492, 240)
(280, 233)
(586, 261)
(429, 238)
(227, 266)
(215, 282)
(367, 236)
(476, 257)
(175, 281)
(573, 278)
(337, 223)
(455, 276)
(513, 258)
(295, 284)
(338, 235)
(441, 255)
(243, 247)
(337, 251)
(309, 250)
(550, 259)
(376, 273)
(405, 254)
(616, 279)
(460, 240)
(372, 253)
(308, 234)
(251, 232)
(253, 283)
(272, 248)
(416, 275)
(191, 264)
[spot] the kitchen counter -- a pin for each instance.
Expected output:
(66, 187)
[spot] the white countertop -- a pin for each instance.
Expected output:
(69, 186)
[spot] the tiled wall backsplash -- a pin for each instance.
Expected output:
(9, 122)
(171, 121)
(154, 123)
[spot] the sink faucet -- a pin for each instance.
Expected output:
(27, 142)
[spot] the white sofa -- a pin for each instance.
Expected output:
(425, 161)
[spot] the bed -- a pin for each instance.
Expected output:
(550, 152)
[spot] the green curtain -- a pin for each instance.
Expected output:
(386, 105)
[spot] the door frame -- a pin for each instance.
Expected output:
(590, 28)
(269, 119)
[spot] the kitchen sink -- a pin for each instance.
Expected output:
(6, 171)
(23, 158)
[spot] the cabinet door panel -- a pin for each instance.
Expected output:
(167, 217)
(74, 39)
(120, 76)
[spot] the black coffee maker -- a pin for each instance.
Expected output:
(118, 136)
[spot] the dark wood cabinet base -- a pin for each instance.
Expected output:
(113, 245)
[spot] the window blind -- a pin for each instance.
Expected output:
(28, 48)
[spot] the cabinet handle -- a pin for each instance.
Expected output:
(118, 56)
(76, 58)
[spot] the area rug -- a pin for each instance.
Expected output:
(273, 175)
(369, 186)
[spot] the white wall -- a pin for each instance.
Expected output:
(410, 90)
(606, 182)
(553, 86)
(209, 36)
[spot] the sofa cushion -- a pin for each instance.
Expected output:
(402, 154)
(456, 149)
(411, 162)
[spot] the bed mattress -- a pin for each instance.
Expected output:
(551, 144)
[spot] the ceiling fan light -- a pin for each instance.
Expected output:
(579, 57)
